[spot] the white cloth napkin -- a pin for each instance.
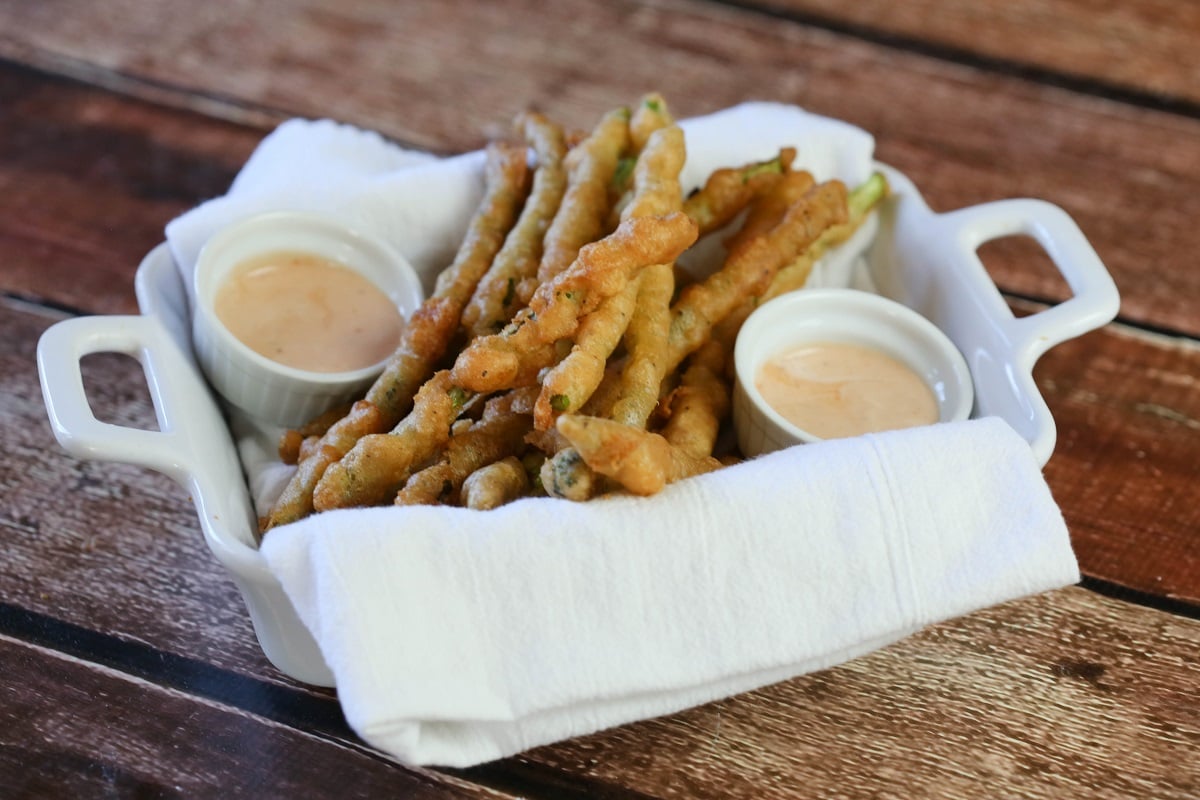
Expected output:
(457, 637)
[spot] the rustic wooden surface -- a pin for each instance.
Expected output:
(131, 668)
(964, 133)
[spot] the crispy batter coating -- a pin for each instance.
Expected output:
(289, 446)
(606, 393)
(493, 485)
(651, 115)
(425, 337)
(768, 209)
(290, 451)
(487, 441)
(379, 464)
(656, 176)
(580, 218)
(641, 461)
(748, 271)
(569, 384)
(646, 342)
(308, 447)
(793, 276)
(728, 191)
(699, 403)
(603, 269)
(656, 191)
(512, 278)
(296, 501)
(567, 476)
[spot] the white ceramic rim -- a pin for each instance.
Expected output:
(846, 303)
(407, 293)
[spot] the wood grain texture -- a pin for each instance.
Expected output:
(1148, 46)
(1064, 694)
(964, 134)
(71, 729)
(111, 547)
(1009, 688)
(88, 179)
(1124, 470)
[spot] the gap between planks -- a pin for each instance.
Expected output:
(1032, 73)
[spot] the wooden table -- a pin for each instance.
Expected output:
(129, 666)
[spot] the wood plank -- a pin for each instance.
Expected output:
(1066, 694)
(1125, 466)
(88, 179)
(110, 547)
(124, 558)
(426, 73)
(1147, 47)
(71, 729)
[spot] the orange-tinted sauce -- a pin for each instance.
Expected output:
(308, 312)
(833, 390)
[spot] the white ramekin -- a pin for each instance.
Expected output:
(844, 316)
(267, 390)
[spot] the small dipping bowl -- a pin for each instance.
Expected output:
(267, 390)
(844, 316)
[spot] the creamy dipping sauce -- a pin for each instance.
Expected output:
(833, 390)
(308, 312)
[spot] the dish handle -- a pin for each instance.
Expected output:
(1094, 300)
(170, 379)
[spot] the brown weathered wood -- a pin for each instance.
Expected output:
(126, 528)
(1066, 694)
(447, 75)
(107, 546)
(1026, 692)
(1148, 46)
(1127, 460)
(88, 179)
(71, 729)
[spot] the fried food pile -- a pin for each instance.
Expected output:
(562, 352)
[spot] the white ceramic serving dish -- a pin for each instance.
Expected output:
(925, 260)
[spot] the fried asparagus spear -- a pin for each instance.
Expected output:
(728, 191)
(291, 441)
(486, 442)
(580, 217)
(603, 269)
(646, 342)
(768, 210)
(512, 278)
(651, 115)
(699, 403)
(748, 271)
(641, 461)
(425, 337)
(380, 463)
(495, 484)
(656, 190)
(571, 382)
(859, 204)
